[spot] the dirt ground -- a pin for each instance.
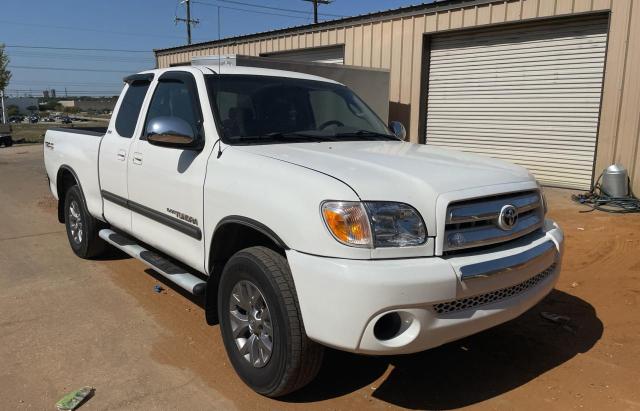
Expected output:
(67, 322)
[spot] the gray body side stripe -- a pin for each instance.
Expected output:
(172, 222)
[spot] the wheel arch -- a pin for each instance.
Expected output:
(65, 178)
(232, 234)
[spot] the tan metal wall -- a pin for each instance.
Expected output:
(396, 44)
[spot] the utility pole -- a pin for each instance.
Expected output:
(315, 7)
(188, 21)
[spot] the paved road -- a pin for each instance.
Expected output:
(67, 322)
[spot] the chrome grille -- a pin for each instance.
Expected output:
(474, 223)
(493, 296)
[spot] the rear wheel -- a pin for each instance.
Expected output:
(82, 227)
(261, 324)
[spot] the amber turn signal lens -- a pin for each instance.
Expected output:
(347, 222)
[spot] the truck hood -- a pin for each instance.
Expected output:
(415, 174)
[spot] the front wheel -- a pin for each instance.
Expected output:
(261, 325)
(82, 227)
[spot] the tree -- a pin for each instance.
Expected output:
(5, 75)
(32, 109)
(71, 110)
(12, 110)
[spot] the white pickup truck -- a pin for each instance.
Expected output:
(302, 218)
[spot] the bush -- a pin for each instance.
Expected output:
(12, 110)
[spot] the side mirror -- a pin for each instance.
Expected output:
(172, 132)
(397, 128)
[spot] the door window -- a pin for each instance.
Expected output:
(129, 110)
(175, 98)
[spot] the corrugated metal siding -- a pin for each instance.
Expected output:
(527, 94)
(619, 136)
(334, 55)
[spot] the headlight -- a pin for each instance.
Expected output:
(395, 224)
(374, 223)
(542, 198)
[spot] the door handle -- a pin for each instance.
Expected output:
(121, 155)
(137, 158)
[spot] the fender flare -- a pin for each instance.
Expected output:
(68, 168)
(251, 223)
(211, 293)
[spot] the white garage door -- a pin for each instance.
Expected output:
(333, 55)
(526, 94)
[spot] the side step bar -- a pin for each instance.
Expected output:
(168, 269)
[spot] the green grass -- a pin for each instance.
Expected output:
(34, 133)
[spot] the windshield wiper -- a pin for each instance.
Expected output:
(368, 133)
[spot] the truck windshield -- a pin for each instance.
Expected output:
(253, 109)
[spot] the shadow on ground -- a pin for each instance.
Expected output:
(112, 253)
(468, 371)
(195, 299)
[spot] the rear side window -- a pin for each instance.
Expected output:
(130, 108)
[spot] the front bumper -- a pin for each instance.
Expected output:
(438, 299)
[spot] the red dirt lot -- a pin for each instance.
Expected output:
(66, 322)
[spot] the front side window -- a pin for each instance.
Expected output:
(175, 98)
(130, 107)
(263, 109)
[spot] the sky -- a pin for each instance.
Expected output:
(134, 28)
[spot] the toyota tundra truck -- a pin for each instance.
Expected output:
(301, 218)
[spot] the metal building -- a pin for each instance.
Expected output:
(553, 85)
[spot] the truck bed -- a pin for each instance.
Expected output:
(76, 150)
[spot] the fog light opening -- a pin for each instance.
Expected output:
(388, 326)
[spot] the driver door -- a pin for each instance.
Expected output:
(166, 183)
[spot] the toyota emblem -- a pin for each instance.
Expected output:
(508, 217)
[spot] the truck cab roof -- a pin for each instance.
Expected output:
(244, 70)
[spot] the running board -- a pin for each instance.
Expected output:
(162, 265)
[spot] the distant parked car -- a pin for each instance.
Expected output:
(66, 120)
(5, 135)
(33, 119)
(16, 119)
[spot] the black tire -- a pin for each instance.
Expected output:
(88, 244)
(295, 360)
(8, 142)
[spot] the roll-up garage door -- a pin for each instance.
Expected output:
(333, 54)
(529, 94)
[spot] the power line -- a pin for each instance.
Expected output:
(78, 48)
(69, 69)
(270, 7)
(84, 57)
(251, 11)
(71, 91)
(119, 33)
(62, 83)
